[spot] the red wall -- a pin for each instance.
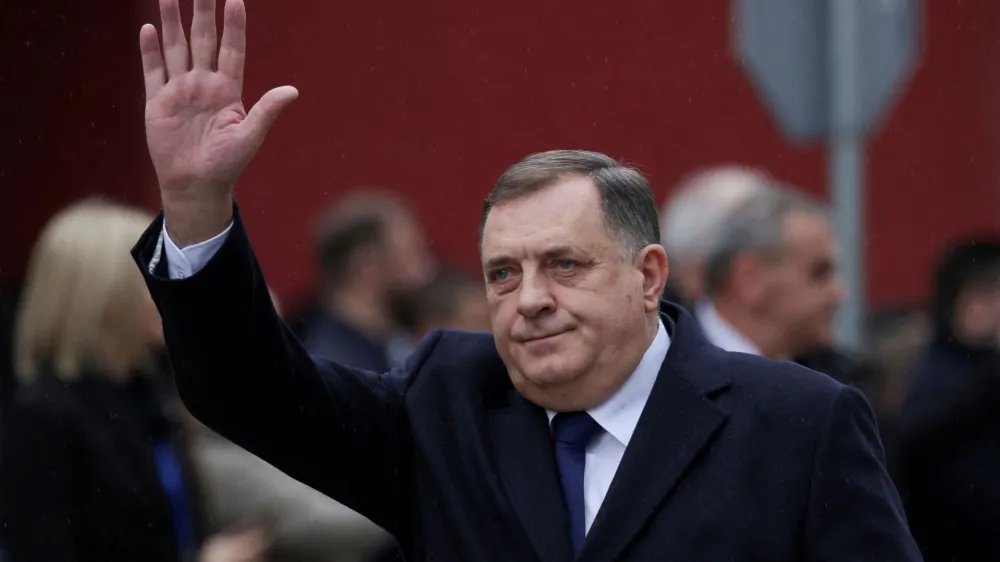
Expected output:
(70, 114)
(437, 99)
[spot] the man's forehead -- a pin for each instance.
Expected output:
(572, 202)
(540, 234)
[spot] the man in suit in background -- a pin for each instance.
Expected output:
(590, 426)
(771, 285)
(373, 262)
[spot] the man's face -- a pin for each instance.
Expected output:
(566, 310)
(803, 291)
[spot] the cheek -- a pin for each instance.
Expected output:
(501, 316)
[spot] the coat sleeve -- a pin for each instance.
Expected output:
(854, 511)
(241, 372)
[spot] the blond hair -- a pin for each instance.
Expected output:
(80, 270)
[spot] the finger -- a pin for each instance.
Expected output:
(175, 49)
(266, 111)
(203, 41)
(152, 61)
(232, 53)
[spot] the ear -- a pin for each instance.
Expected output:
(652, 263)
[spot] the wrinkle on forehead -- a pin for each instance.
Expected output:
(568, 213)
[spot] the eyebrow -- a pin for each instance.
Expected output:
(498, 261)
(554, 253)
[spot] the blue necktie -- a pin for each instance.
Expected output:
(572, 432)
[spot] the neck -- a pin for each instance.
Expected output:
(767, 337)
(363, 309)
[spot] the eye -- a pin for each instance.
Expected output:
(564, 265)
(501, 274)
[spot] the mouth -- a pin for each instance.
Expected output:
(544, 339)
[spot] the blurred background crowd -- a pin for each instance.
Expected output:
(99, 461)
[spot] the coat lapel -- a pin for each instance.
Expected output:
(678, 421)
(526, 465)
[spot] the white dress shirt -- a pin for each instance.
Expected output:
(721, 333)
(618, 416)
(183, 263)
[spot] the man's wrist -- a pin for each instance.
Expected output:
(190, 220)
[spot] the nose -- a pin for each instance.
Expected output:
(535, 298)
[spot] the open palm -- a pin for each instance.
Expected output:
(200, 136)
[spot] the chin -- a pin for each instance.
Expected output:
(824, 339)
(550, 372)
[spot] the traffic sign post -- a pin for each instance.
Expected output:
(827, 70)
(846, 167)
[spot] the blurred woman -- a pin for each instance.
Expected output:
(94, 463)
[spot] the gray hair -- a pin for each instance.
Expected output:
(628, 205)
(692, 219)
(756, 227)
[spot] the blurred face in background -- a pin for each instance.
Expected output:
(568, 312)
(407, 265)
(801, 291)
(977, 316)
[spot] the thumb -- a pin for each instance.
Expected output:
(264, 113)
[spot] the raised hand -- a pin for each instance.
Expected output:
(200, 136)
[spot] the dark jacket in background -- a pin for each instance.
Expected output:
(325, 335)
(950, 452)
(846, 368)
(78, 479)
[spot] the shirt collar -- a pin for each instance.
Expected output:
(619, 414)
(721, 333)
